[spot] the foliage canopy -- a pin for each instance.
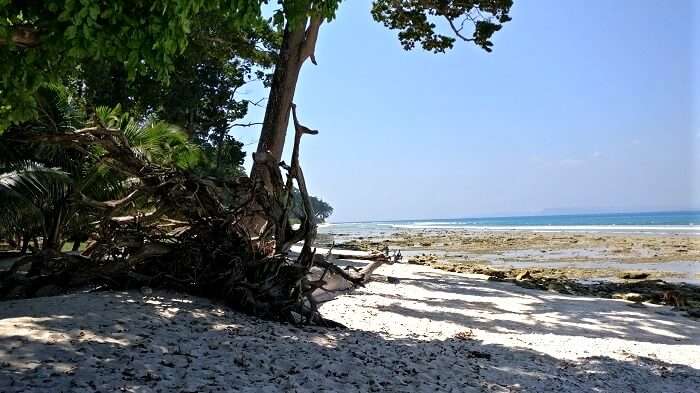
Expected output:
(43, 42)
(416, 21)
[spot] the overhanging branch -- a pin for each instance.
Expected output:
(309, 47)
(458, 31)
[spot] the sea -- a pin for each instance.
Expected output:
(670, 222)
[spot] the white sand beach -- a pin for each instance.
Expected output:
(434, 331)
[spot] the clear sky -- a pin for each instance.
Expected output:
(582, 105)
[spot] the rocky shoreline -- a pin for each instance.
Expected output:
(637, 288)
(636, 248)
(624, 261)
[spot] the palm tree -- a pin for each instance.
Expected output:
(44, 186)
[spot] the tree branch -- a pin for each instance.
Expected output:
(309, 47)
(257, 103)
(114, 204)
(23, 36)
(458, 31)
(357, 280)
(246, 124)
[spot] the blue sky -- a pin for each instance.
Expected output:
(582, 105)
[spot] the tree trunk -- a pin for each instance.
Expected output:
(25, 245)
(53, 229)
(16, 242)
(298, 44)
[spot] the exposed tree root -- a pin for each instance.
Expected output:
(228, 240)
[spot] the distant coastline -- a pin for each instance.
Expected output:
(679, 215)
(687, 222)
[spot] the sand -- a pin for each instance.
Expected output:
(435, 331)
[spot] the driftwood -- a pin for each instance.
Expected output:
(369, 257)
(334, 281)
(192, 241)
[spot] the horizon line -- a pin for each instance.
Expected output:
(690, 210)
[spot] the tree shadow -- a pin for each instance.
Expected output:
(119, 341)
(504, 307)
(497, 307)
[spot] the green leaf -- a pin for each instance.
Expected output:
(70, 32)
(94, 12)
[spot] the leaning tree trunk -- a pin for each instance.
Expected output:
(298, 44)
(228, 239)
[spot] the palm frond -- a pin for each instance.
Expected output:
(163, 144)
(35, 185)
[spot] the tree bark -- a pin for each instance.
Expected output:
(23, 36)
(25, 245)
(53, 230)
(298, 44)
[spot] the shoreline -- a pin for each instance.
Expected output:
(348, 232)
(674, 257)
(692, 230)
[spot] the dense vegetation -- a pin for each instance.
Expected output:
(115, 122)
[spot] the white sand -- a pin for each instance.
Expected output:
(402, 339)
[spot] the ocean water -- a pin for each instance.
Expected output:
(678, 222)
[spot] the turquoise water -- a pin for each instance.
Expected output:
(646, 222)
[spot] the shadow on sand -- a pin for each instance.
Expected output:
(547, 313)
(119, 341)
